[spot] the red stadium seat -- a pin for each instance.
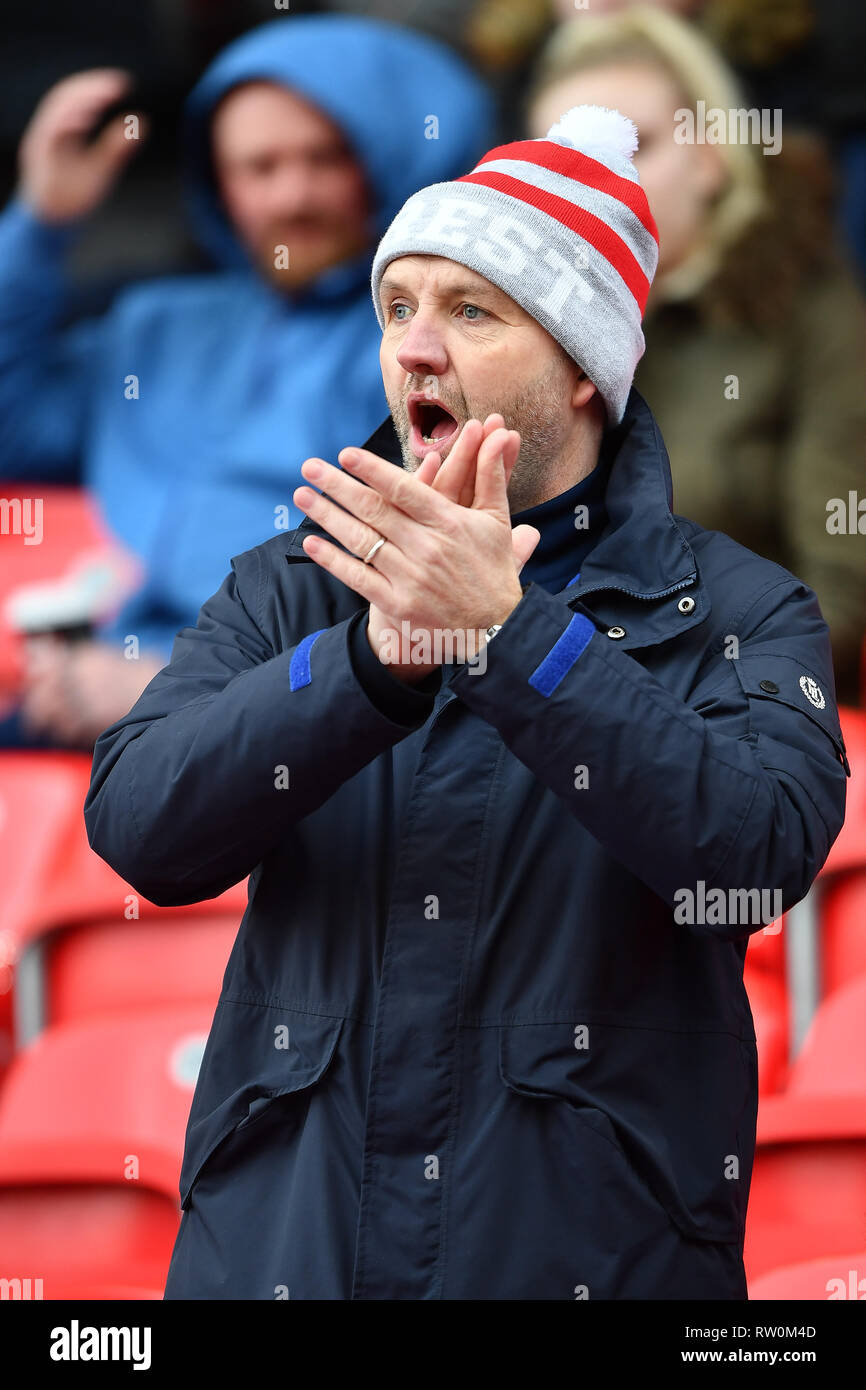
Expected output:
(102, 1293)
(41, 795)
(822, 948)
(808, 1181)
(843, 931)
(88, 1241)
(830, 1278)
(764, 978)
(75, 935)
(769, 1004)
(50, 873)
(41, 806)
(832, 1060)
(112, 967)
(766, 949)
(72, 534)
(92, 1122)
(849, 850)
(809, 1177)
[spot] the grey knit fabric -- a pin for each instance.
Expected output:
(575, 245)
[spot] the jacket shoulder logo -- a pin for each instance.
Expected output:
(813, 692)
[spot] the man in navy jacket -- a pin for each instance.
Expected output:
(514, 759)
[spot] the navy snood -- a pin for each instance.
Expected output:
(570, 525)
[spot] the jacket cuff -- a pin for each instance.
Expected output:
(403, 704)
(538, 644)
(24, 234)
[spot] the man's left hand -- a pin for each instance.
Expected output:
(443, 565)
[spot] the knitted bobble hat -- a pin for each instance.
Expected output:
(562, 226)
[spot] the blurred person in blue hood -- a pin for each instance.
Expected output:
(189, 408)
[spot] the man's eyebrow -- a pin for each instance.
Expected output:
(474, 289)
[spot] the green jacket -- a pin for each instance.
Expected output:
(765, 427)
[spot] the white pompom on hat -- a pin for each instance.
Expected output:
(595, 128)
(560, 224)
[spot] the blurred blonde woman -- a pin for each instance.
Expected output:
(755, 326)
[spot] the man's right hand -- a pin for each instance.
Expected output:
(62, 176)
(455, 479)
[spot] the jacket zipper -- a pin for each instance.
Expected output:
(646, 598)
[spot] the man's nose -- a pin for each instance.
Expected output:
(290, 190)
(422, 351)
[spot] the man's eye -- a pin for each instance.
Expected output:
(395, 310)
(331, 159)
(473, 310)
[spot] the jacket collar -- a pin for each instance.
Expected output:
(642, 553)
(642, 550)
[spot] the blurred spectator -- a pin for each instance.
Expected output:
(755, 328)
(493, 33)
(192, 404)
(499, 38)
(568, 9)
(840, 28)
(770, 44)
(139, 230)
(809, 57)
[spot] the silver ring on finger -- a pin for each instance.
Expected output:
(372, 551)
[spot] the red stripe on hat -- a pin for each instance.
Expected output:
(578, 220)
(574, 164)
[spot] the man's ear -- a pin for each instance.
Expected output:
(584, 390)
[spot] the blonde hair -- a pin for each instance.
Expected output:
(644, 34)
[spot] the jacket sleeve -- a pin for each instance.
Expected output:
(405, 704)
(740, 784)
(45, 372)
(228, 747)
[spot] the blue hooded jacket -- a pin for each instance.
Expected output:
(237, 383)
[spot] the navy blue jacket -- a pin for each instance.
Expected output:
(467, 1047)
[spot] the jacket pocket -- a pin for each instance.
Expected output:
(255, 1053)
(677, 1111)
(777, 686)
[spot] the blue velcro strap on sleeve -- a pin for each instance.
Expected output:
(299, 666)
(562, 655)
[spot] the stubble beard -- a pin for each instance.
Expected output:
(532, 410)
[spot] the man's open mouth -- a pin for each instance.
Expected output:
(432, 425)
